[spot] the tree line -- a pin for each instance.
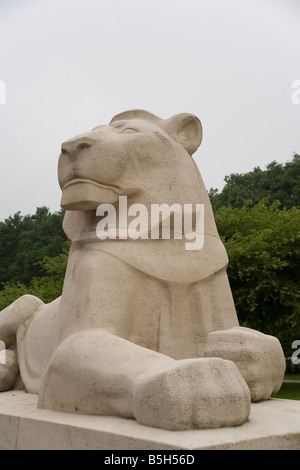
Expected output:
(258, 219)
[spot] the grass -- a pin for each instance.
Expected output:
(292, 376)
(290, 391)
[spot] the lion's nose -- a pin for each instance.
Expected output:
(73, 146)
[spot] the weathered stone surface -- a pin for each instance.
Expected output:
(272, 424)
(192, 393)
(258, 357)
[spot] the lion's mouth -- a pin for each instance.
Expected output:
(90, 182)
(85, 194)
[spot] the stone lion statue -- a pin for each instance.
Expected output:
(144, 328)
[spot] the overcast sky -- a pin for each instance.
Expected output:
(69, 65)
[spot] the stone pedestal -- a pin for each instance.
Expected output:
(273, 424)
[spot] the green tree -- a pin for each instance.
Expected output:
(47, 288)
(278, 182)
(9, 236)
(263, 245)
(26, 241)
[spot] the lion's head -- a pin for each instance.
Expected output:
(148, 160)
(138, 155)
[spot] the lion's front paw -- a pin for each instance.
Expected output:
(259, 358)
(191, 393)
(9, 369)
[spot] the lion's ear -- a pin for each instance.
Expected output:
(185, 129)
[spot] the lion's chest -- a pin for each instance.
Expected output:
(102, 291)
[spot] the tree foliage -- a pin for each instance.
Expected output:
(263, 245)
(279, 182)
(258, 218)
(26, 241)
(47, 287)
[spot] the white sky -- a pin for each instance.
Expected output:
(70, 65)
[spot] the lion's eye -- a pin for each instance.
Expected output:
(129, 130)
